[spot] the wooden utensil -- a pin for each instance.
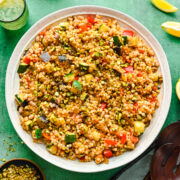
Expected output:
(163, 164)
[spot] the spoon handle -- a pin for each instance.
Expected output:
(118, 174)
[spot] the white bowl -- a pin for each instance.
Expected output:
(12, 85)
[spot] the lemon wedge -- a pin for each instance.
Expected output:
(172, 28)
(1, 1)
(164, 6)
(178, 89)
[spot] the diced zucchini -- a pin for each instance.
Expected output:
(139, 127)
(70, 138)
(22, 68)
(69, 77)
(101, 42)
(18, 99)
(88, 77)
(77, 85)
(125, 40)
(52, 149)
(119, 116)
(38, 133)
(52, 100)
(117, 50)
(95, 55)
(28, 125)
(117, 41)
(83, 66)
(68, 94)
(103, 28)
(64, 25)
(84, 96)
(44, 42)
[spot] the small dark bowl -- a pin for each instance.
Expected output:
(23, 162)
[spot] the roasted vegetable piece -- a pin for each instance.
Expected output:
(38, 133)
(20, 101)
(83, 66)
(108, 153)
(69, 77)
(45, 57)
(77, 85)
(163, 162)
(62, 58)
(22, 68)
(117, 41)
(43, 118)
(70, 138)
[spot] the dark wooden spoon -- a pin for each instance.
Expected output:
(148, 176)
(164, 163)
(170, 134)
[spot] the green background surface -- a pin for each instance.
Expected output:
(144, 12)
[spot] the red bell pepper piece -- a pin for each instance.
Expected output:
(103, 105)
(27, 60)
(154, 88)
(128, 33)
(140, 74)
(85, 27)
(42, 33)
(104, 61)
(134, 139)
(110, 142)
(121, 92)
(123, 138)
(46, 136)
(91, 20)
(76, 78)
(108, 153)
(129, 69)
(82, 158)
(28, 80)
(141, 51)
(153, 99)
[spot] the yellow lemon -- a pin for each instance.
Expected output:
(172, 28)
(164, 6)
(1, 1)
(178, 89)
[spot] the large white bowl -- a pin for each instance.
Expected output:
(12, 85)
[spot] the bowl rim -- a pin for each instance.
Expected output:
(166, 100)
(24, 159)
